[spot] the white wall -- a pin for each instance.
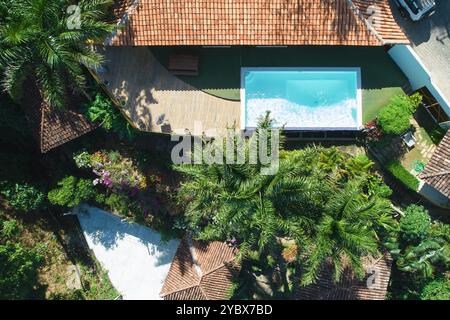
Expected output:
(434, 196)
(411, 65)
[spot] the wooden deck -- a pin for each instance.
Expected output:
(157, 101)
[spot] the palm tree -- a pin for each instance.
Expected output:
(37, 42)
(225, 201)
(346, 232)
(328, 219)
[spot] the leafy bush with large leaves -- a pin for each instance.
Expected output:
(422, 255)
(103, 111)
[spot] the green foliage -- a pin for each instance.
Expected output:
(232, 290)
(438, 289)
(72, 191)
(36, 43)
(23, 197)
(83, 160)
(118, 203)
(358, 165)
(398, 171)
(424, 258)
(395, 117)
(351, 222)
(96, 286)
(18, 270)
(319, 197)
(422, 255)
(415, 224)
(114, 171)
(103, 111)
(9, 228)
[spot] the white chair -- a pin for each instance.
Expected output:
(409, 139)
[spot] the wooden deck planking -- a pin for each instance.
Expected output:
(151, 94)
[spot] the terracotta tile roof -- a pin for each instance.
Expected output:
(437, 171)
(200, 271)
(380, 14)
(52, 127)
(254, 22)
(350, 288)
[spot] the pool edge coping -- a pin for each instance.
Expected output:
(359, 125)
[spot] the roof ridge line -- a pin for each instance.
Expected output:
(216, 268)
(183, 289)
(435, 174)
(358, 13)
(193, 253)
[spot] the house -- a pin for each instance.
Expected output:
(435, 178)
(230, 35)
(205, 271)
(201, 271)
(373, 287)
(52, 127)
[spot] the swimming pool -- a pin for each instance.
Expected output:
(302, 98)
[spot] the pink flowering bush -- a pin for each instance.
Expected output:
(113, 170)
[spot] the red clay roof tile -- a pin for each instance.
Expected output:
(437, 171)
(255, 22)
(50, 126)
(200, 271)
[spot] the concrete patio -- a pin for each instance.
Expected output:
(134, 256)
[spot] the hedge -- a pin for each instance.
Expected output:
(395, 117)
(398, 171)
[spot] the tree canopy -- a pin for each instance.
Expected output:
(328, 202)
(44, 41)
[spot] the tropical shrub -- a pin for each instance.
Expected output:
(18, 270)
(23, 197)
(438, 289)
(358, 165)
(398, 171)
(395, 117)
(103, 111)
(422, 252)
(415, 224)
(72, 191)
(376, 186)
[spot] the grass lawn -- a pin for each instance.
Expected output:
(219, 72)
(375, 99)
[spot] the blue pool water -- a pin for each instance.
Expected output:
(302, 98)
